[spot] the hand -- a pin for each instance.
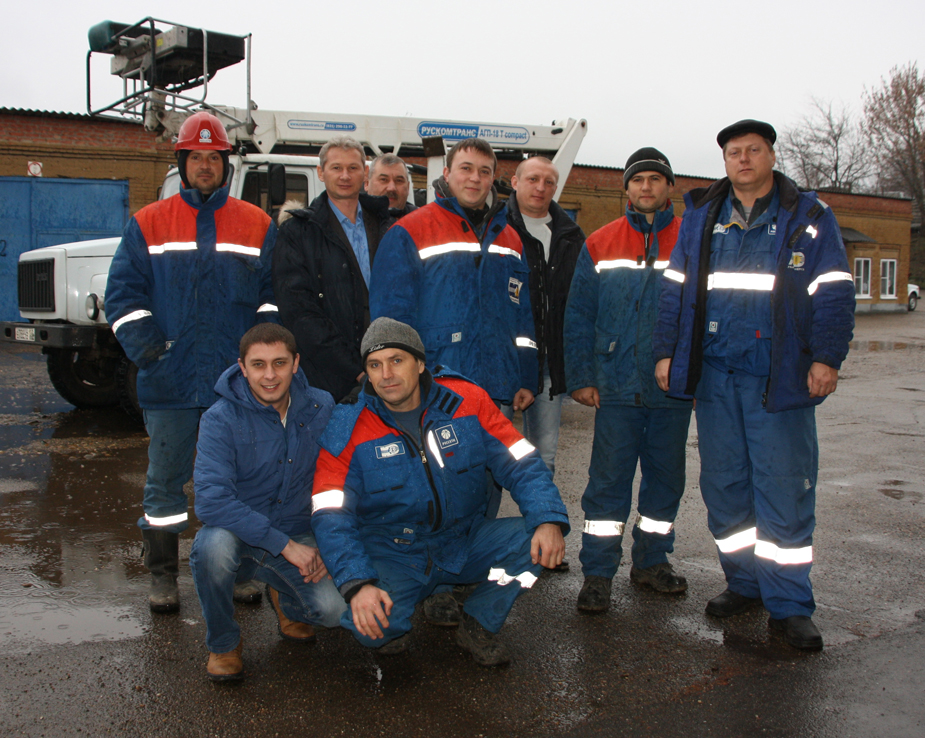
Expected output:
(370, 607)
(587, 396)
(822, 379)
(307, 560)
(662, 370)
(523, 399)
(548, 545)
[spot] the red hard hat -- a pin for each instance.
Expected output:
(202, 131)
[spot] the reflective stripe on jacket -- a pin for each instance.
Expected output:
(467, 297)
(187, 281)
(812, 294)
(375, 484)
(612, 310)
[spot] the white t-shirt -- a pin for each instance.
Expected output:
(539, 229)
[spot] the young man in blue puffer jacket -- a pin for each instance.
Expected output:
(254, 470)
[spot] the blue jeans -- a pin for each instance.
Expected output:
(499, 559)
(219, 559)
(758, 480)
(170, 466)
(623, 435)
(541, 425)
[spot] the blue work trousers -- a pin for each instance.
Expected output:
(758, 479)
(499, 560)
(623, 435)
(219, 559)
(170, 465)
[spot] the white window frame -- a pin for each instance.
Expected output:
(862, 262)
(887, 279)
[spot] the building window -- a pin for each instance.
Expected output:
(862, 277)
(888, 278)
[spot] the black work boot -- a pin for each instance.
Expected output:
(162, 559)
(484, 645)
(660, 577)
(442, 609)
(595, 594)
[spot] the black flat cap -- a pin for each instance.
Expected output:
(765, 130)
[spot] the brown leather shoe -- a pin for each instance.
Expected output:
(226, 667)
(291, 630)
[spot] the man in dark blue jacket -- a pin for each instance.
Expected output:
(191, 275)
(399, 500)
(755, 316)
(609, 323)
(254, 470)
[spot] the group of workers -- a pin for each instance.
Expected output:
(351, 381)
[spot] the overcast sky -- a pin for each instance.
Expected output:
(665, 74)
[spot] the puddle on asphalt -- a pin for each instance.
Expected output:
(35, 612)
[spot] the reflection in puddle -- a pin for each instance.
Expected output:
(35, 612)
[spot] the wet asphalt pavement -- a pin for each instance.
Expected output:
(80, 654)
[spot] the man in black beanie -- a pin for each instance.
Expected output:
(608, 361)
(399, 500)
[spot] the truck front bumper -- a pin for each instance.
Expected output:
(52, 335)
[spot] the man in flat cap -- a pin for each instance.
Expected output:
(755, 316)
(608, 360)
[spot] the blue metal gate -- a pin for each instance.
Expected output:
(36, 212)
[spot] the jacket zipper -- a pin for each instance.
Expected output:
(438, 510)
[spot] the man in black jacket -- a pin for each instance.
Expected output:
(321, 267)
(552, 242)
(388, 176)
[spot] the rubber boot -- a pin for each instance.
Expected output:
(162, 558)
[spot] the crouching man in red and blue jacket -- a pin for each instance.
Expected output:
(399, 500)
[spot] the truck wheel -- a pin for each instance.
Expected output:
(913, 301)
(80, 381)
(127, 379)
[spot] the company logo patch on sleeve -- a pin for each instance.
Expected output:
(772, 229)
(446, 436)
(797, 259)
(713, 326)
(389, 450)
(513, 289)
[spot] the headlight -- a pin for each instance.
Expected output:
(93, 306)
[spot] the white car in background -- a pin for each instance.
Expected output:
(913, 296)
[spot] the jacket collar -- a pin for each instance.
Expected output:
(639, 223)
(193, 197)
(789, 192)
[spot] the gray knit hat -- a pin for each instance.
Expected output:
(387, 333)
(647, 159)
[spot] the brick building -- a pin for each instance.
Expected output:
(876, 229)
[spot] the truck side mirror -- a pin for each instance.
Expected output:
(276, 184)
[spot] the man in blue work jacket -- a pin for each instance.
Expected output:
(608, 360)
(755, 316)
(191, 275)
(255, 465)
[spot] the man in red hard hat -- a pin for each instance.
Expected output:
(190, 277)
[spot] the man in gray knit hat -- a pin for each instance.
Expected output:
(609, 323)
(399, 500)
